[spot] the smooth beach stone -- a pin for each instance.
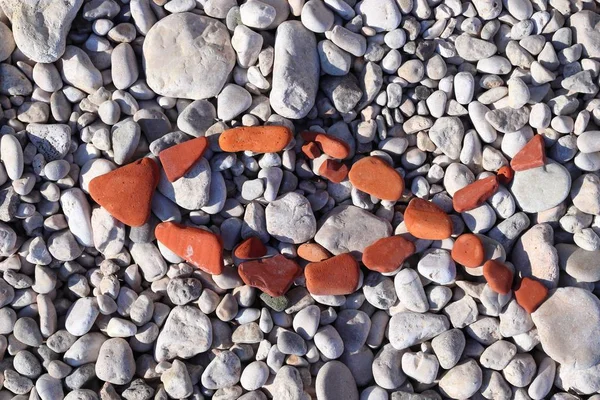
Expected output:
(185, 40)
(566, 308)
(553, 180)
(295, 71)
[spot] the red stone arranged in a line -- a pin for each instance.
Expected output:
(533, 155)
(386, 255)
(468, 251)
(179, 159)
(475, 194)
(337, 275)
(199, 247)
(258, 139)
(126, 193)
(273, 275)
(425, 220)
(531, 294)
(328, 144)
(498, 276)
(374, 176)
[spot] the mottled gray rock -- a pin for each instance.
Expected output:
(534, 255)
(564, 309)
(191, 191)
(295, 71)
(40, 28)
(223, 371)
(584, 25)
(290, 219)
(350, 229)
(187, 332)
(115, 363)
(52, 140)
(408, 328)
(181, 50)
(77, 70)
(335, 381)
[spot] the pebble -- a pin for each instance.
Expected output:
(273, 276)
(179, 159)
(409, 328)
(474, 194)
(584, 193)
(186, 332)
(295, 43)
(359, 227)
(338, 275)
(268, 139)
(362, 173)
(387, 255)
(290, 219)
(425, 220)
(223, 371)
(131, 202)
(468, 251)
(553, 179)
(335, 379)
(201, 36)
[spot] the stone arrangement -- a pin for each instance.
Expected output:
(295, 200)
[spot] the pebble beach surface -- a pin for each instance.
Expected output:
(295, 200)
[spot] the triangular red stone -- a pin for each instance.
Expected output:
(126, 193)
(178, 160)
(533, 155)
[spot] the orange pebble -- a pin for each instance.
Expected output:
(273, 275)
(475, 194)
(311, 150)
(386, 255)
(533, 155)
(333, 170)
(531, 294)
(179, 159)
(330, 145)
(337, 275)
(498, 276)
(425, 220)
(313, 252)
(126, 193)
(199, 247)
(468, 250)
(505, 175)
(374, 176)
(250, 248)
(259, 139)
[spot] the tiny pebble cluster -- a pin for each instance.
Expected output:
(295, 200)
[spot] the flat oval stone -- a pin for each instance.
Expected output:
(568, 324)
(273, 275)
(374, 176)
(409, 328)
(553, 180)
(295, 71)
(581, 264)
(387, 254)
(473, 49)
(181, 50)
(335, 381)
(468, 251)
(199, 247)
(425, 220)
(499, 277)
(258, 139)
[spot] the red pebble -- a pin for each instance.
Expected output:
(386, 255)
(311, 150)
(333, 170)
(329, 144)
(475, 194)
(505, 175)
(126, 193)
(273, 275)
(533, 155)
(179, 159)
(338, 275)
(468, 250)
(250, 248)
(531, 294)
(425, 220)
(498, 276)
(199, 247)
(376, 177)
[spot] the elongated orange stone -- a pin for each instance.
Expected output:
(259, 139)
(202, 249)
(374, 176)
